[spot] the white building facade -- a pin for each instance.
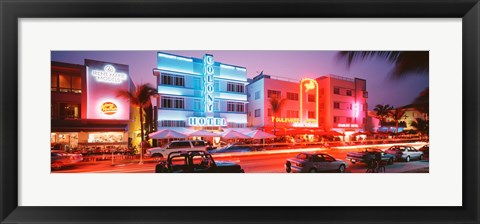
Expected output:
(200, 93)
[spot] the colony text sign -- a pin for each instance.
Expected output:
(208, 82)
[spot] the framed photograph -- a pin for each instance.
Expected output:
(250, 112)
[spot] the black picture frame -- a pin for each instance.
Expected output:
(11, 11)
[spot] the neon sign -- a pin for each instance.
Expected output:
(109, 75)
(206, 121)
(208, 71)
(356, 109)
(285, 119)
(109, 108)
(308, 85)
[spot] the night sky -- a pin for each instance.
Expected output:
(290, 64)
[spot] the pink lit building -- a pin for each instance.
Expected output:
(299, 111)
(342, 104)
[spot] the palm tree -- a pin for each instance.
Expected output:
(405, 62)
(277, 105)
(421, 125)
(397, 115)
(140, 99)
(421, 103)
(382, 111)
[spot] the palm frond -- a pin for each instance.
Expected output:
(405, 62)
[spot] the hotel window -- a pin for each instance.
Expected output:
(216, 85)
(69, 111)
(292, 113)
(235, 107)
(311, 114)
(257, 95)
(335, 119)
(349, 92)
(168, 123)
(66, 83)
(257, 113)
(349, 120)
(235, 87)
(196, 105)
(336, 105)
(173, 102)
(311, 97)
(173, 80)
(349, 106)
(274, 92)
(292, 96)
(336, 90)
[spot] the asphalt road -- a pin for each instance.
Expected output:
(257, 162)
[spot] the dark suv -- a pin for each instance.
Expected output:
(195, 162)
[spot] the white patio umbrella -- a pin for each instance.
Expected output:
(203, 133)
(257, 134)
(234, 135)
(166, 134)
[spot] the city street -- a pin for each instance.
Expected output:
(252, 162)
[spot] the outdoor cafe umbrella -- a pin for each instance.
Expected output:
(234, 135)
(166, 134)
(257, 134)
(203, 133)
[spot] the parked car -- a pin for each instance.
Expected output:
(183, 145)
(235, 148)
(195, 162)
(312, 162)
(368, 155)
(405, 152)
(60, 159)
(425, 149)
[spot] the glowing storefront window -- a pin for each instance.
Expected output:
(106, 137)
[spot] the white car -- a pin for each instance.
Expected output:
(184, 145)
(405, 152)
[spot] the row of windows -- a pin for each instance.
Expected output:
(66, 83)
(65, 111)
(173, 102)
(344, 106)
(235, 107)
(347, 120)
(235, 87)
(342, 91)
(236, 125)
(178, 80)
(168, 123)
(179, 103)
(173, 80)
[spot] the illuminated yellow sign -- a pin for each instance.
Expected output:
(109, 108)
(308, 85)
(285, 119)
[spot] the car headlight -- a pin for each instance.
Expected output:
(299, 164)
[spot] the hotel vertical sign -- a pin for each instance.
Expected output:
(209, 87)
